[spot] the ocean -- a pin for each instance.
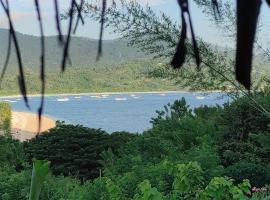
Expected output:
(114, 112)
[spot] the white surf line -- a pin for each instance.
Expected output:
(112, 93)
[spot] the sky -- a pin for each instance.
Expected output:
(24, 16)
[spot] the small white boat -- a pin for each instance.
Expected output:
(136, 97)
(63, 99)
(10, 101)
(162, 94)
(200, 97)
(120, 99)
(98, 97)
(132, 95)
(104, 95)
(77, 97)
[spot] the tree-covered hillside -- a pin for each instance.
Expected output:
(83, 52)
(137, 76)
(122, 68)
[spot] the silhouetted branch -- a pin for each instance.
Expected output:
(102, 22)
(67, 42)
(247, 19)
(42, 64)
(79, 15)
(21, 79)
(57, 20)
(216, 10)
(6, 60)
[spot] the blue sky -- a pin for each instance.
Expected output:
(25, 20)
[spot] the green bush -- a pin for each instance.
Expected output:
(103, 188)
(11, 154)
(56, 188)
(74, 150)
(257, 174)
(14, 185)
(5, 118)
(223, 188)
(242, 117)
(244, 142)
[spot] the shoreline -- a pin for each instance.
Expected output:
(24, 125)
(112, 93)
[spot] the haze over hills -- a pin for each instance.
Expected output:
(83, 52)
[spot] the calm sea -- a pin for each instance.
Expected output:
(116, 112)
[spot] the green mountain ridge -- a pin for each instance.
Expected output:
(83, 52)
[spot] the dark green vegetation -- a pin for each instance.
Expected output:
(130, 76)
(5, 118)
(126, 77)
(205, 153)
(75, 150)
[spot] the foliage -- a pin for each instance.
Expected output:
(74, 150)
(187, 154)
(11, 154)
(147, 192)
(243, 145)
(243, 118)
(143, 28)
(14, 185)
(188, 179)
(39, 173)
(167, 161)
(157, 35)
(55, 188)
(103, 188)
(126, 77)
(223, 188)
(5, 118)
(178, 133)
(258, 174)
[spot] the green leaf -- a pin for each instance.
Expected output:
(39, 173)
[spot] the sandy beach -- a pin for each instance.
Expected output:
(25, 125)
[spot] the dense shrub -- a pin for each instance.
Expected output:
(11, 154)
(5, 118)
(178, 135)
(244, 143)
(118, 139)
(257, 174)
(55, 188)
(74, 150)
(242, 116)
(14, 185)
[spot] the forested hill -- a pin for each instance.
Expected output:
(83, 52)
